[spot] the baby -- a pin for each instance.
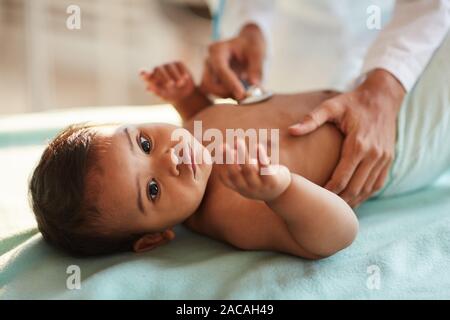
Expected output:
(106, 188)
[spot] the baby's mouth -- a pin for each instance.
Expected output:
(193, 165)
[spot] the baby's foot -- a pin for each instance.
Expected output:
(172, 82)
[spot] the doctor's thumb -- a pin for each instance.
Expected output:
(254, 71)
(309, 124)
(299, 129)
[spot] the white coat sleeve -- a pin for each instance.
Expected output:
(407, 43)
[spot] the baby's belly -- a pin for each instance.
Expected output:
(314, 156)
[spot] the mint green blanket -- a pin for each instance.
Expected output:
(402, 251)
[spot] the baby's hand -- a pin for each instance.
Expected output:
(256, 178)
(172, 82)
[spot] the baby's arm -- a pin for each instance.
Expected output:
(319, 221)
(173, 83)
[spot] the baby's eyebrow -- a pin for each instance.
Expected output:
(139, 197)
(129, 138)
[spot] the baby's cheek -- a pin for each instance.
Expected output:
(191, 198)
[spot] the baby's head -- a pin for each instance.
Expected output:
(101, 189)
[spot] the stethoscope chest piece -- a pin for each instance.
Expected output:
(255, 94)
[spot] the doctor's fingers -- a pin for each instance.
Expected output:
(345, 169)
(362, 182)
(255, 67)
(376, 181)
(355, 189)
(329, 111)
(220, 64)
(371, 185)
(211, 84)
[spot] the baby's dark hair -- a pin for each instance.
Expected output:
(63, 194)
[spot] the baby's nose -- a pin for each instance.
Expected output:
(174, 161)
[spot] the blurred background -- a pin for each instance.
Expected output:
(44, 65)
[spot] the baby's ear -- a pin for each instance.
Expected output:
(153, 240)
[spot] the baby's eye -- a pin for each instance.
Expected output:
(146, 144)
(153, 189)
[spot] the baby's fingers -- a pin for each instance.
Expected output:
(152, 87)
(248, 164)
(236, 177)
(250, 173)
(148, 77)
(229, 174)
(151, 82)
(174, 73)
(268, 169)
(144, 74)
(263, 158)
(184, 72)
(225, 178)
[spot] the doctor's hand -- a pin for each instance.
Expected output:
(230, 60)
(367, 117)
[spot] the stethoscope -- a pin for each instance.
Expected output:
(253, 93)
